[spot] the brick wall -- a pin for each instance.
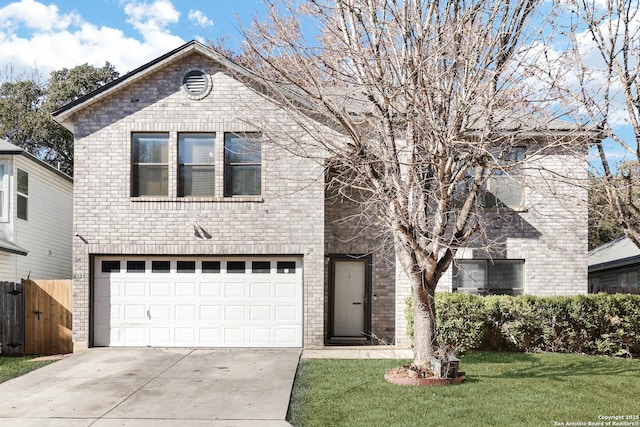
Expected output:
(349, 232)
(285, 220)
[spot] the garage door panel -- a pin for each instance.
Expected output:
(209, 289)
(261, 290)
(286, 290)
(134, 312)
(160, 336)
(286, 313)
(260, 307)
(210, 312)
(160, 289)
(261, 312)
(136, 335)
(160, 312)
(185, 289)
(185, 312)
(185, 336)
(235, 312)
(235, 289)
(135, 289)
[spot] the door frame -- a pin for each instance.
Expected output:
(330, 339)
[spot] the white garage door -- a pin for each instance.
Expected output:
(197, 302)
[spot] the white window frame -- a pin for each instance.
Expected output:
(20, 194)
(5, 206)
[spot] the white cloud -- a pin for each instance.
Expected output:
(33, 34)
(151, 19)
(35, 16)
(200, 18)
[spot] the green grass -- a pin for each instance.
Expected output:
(11, 367)
(502, 389)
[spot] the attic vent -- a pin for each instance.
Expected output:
(195, 83)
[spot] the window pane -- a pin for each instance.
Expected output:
(150, 180)
(211, 266)
(196, 181)
(239, 148)
(196, 148)
(22, 210)
(150, 148)
(160, 266)
(235, 266)
(23, 182)
(242, 180)
(135, 266)
(628, 279)
(469, 276)
(186, 266)
(110, 266)
(242, 158)
(261, 267)
(509, 157)
(505, 277)
(286, 267)
(504, 191)
(196, 169)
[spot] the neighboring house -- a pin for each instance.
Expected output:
(614, 267)
(35, 217)
(190, 232)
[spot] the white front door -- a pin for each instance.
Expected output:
(349, 298)
(204, 302)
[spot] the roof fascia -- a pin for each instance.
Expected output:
(51, 168)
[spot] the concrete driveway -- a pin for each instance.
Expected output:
(155, 387)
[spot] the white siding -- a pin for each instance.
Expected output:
(47, 233)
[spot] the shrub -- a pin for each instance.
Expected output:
(594, 324)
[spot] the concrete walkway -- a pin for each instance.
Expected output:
(106, 387)
(357, 352)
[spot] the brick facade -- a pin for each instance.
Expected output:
(108, 221)
(295, 215)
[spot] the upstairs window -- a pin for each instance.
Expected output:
(150, 168)
(196, 164)
(489, 277)
(505, 187)
(4, 192)
(242, 164)
(22, 210)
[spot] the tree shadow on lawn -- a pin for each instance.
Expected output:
(554, 366)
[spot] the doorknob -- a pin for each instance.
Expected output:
(148, 314)
(357, 303)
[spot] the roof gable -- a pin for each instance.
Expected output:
(65, 114)
(11, 149)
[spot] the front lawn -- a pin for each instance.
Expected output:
(11, 367)
(502, 389)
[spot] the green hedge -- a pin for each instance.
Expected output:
(601, 324)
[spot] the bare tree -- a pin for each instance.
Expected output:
(606, 36)
(415, 104)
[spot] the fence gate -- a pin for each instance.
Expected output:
(11, 318)
(47, 314)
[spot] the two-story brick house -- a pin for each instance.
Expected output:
(192, 232)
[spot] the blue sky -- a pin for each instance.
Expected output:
(46, 35)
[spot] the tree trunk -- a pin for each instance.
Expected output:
(424, 326)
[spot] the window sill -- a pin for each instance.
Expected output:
(237, 199)
(507, 209)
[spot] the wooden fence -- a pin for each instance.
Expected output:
(41, 322)
(12, 318)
